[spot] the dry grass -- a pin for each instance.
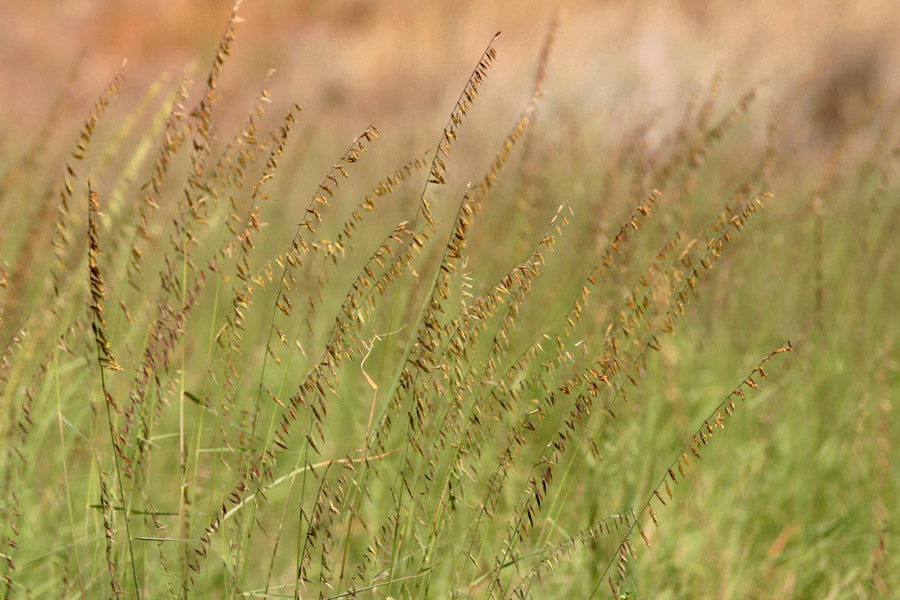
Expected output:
(476, 374)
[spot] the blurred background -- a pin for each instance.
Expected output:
(384, 62)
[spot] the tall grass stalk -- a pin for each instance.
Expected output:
(419, 387)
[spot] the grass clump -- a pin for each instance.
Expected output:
(217, 382)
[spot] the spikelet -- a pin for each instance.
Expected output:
(112, 565)
(326, 189)
(284, 132)
(62, 235)
(95, 280)
(202, 113)
(449, 135)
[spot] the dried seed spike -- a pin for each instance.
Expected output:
(643, 535)
(96, 284)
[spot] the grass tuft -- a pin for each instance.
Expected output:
(384, 382)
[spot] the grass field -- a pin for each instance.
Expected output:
(599, 306)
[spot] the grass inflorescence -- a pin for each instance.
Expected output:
(220, 382)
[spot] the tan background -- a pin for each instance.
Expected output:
(386, 60)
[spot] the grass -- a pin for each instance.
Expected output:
(569, 375)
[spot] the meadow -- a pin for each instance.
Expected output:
(542, 333)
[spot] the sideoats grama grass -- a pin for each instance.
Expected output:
(206, 398)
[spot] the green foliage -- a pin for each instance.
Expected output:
(217, 383)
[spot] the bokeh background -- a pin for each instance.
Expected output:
(384, 62)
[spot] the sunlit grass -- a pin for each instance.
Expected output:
(225, 374)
